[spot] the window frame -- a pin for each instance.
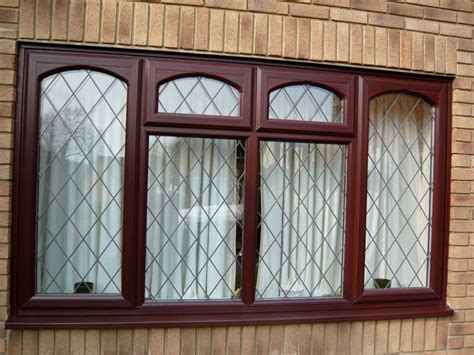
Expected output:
(255, 79)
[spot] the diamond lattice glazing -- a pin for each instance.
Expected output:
(305, 103)
(194, 222)
(80, 183)
(302, 189)
(200, 96)
(399, 196)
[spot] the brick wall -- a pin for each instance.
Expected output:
(420, 35)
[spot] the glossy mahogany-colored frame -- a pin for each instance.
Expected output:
(143, 74)
(161, 71)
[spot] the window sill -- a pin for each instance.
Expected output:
(152, 316)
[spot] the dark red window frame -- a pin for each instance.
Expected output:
(254, 79)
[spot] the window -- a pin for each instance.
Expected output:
(164, 190)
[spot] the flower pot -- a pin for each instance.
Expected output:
(83, 287)
(382, 283)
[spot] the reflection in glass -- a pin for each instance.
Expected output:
(399, 196)
(80, 183)
(194, 219)
(200, 96)
(305, 103)
(302, 189)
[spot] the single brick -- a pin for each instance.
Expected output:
(434, 3)
(394, 331)
(369, 5)
(337, 3)
(368, 338)
(27, 19)
(368, 45)
(405, 50)
(418, 334)
(186, 32)
(227, 4)
(442, 334)
(329, 44)
(356, 44)
(60, 19)
(461, 5)
(406, 335)
(77, 341)
(140, 24)
(451, 67)
(261, 34)
(172, 343)
(269, 6)
(455, 30)
(76, 21)
(405, 10)
(356, 337)
(316, 40)
(109, 17)
(289, 37)
(330, 338)
(381, 46)
(343, 42)
(386, 20)
(8, 15)
(125, 339)
(92, 25)
(303, 35)
(381, 337)
(338, 14)
(246, 33)
(231, 34)
(439, 14)
(393, 48)
(291, 339)
(201, 36)
(140, 341)
(43, 19)
(306, 10)
(185, 2)
(429, 42)
(440, 54)
(171, 26)
(275, 35)
(216, 30)
(422, 25)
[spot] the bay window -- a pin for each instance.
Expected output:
(167, 190)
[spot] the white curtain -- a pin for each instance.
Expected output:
(80, 178)
(193, 207)
(399, 190)
(302, 213)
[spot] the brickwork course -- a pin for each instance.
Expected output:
(434, 36)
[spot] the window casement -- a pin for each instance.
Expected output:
(168, 190)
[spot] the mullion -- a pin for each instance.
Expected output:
(249, 254)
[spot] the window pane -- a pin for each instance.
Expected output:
(302, 189)
(200, 96)
(80, 183)
(305, 103)
(399, 199)
(194, 221)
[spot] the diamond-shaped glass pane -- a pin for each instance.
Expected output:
(399, 192)
(194, 218)
(305, 103)
(80, 183)
(200, 96)
(302, 207)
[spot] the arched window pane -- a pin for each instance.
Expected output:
(80, 183)
(305, 103)
(399, 192)
(200, 96)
